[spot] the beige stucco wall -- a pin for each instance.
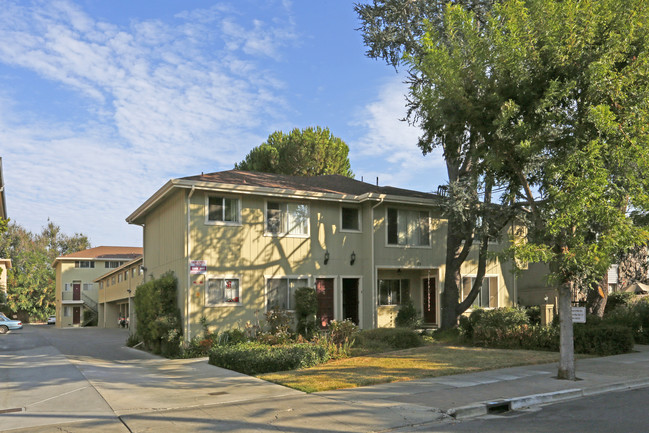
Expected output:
(111, 296)
(533, 285)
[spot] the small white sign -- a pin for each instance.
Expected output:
(578, 314)
(197, 267)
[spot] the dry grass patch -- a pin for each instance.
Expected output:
(410, 364)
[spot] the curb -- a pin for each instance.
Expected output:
(486, 407)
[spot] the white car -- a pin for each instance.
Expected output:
(51, 320)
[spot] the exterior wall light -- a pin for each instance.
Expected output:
(352, 258)
(326, 258)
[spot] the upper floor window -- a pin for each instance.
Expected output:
(287, 218)
(84, 264)
(112, 264)
(350, 219)
(87, 286)
(408, 227)
(222, 209)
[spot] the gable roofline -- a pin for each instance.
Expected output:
(117, 270)
(101, 253)
(328, 188)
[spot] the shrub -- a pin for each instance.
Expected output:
(158, 316)
(279, 327)
(533, 314)
(389, 338)
(256, 358)
(306, 309)
(407, 317)
(133, 340)
(618, 299)
(339, 339)
(603, 339)
(634, 316)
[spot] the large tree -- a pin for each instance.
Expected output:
(31, 281)
(446, 101)
(550, 96)
(308, 152)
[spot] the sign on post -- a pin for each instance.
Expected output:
(578, 314)
(197, 267)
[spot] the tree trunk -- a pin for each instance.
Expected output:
(566, 343)
(452, 279)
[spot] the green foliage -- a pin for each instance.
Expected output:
(603, 339)
(306, 309)
(338, 339)
(31, 281)
(408, 317)
(308, 152)
(90, 318)
(202, 345)
(256, 358)
(133, 340)
(533, 314)
(618, 299)
(635, 316)
(158, 316)
(280, 327)
(389, 338)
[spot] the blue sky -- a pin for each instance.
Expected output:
(102, 102)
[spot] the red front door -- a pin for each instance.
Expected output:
(76, 291)
(324, 288)
(76, 315)
(429, 306)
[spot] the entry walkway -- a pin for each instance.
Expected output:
(85, 380)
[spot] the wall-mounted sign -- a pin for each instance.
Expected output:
(197, 267)
(578, 314)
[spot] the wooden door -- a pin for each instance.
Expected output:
(324, 288)
(76, 315)
(76, 291)
(429, 306)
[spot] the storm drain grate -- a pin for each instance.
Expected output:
(217, 393)
(494, 407)
(15, 409)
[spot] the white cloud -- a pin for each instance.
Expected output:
(162, 100)
(388, 149)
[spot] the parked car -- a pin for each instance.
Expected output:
(51, 320)
(6, 324)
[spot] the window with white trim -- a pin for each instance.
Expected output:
(222, 291)
(112, 264)
(408, 227)
(350, 219)
(287, 218)
(68, 286)
(394, 291)
(87, 286)
(84, 264)
(280, 292)
(222, 210)
(488, 296)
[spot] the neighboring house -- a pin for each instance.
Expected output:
(116, 290)
(4, 263)
(242, 242)
(75, 276)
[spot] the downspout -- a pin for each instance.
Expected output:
(374, 273)
(188, 332)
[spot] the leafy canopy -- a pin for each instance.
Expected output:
(308, 152)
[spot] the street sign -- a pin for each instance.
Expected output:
(578, 314)
(197, 267)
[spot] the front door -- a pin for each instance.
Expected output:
(76, 291)
(350, 299)
(429, 306)
(76, 315)
(324, 288)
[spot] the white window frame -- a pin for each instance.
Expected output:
(463, 295)
(208, 221)
(267, 278)
(387, 228)
(221, 277)
(360, 219)
(67, 287)
(86, 286)
(284, 232)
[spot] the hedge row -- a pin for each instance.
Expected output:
(256, 358)
(392, 338)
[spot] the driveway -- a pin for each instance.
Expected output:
(85, 380)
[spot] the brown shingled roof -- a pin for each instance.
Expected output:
(105, 253)
(332, 183)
